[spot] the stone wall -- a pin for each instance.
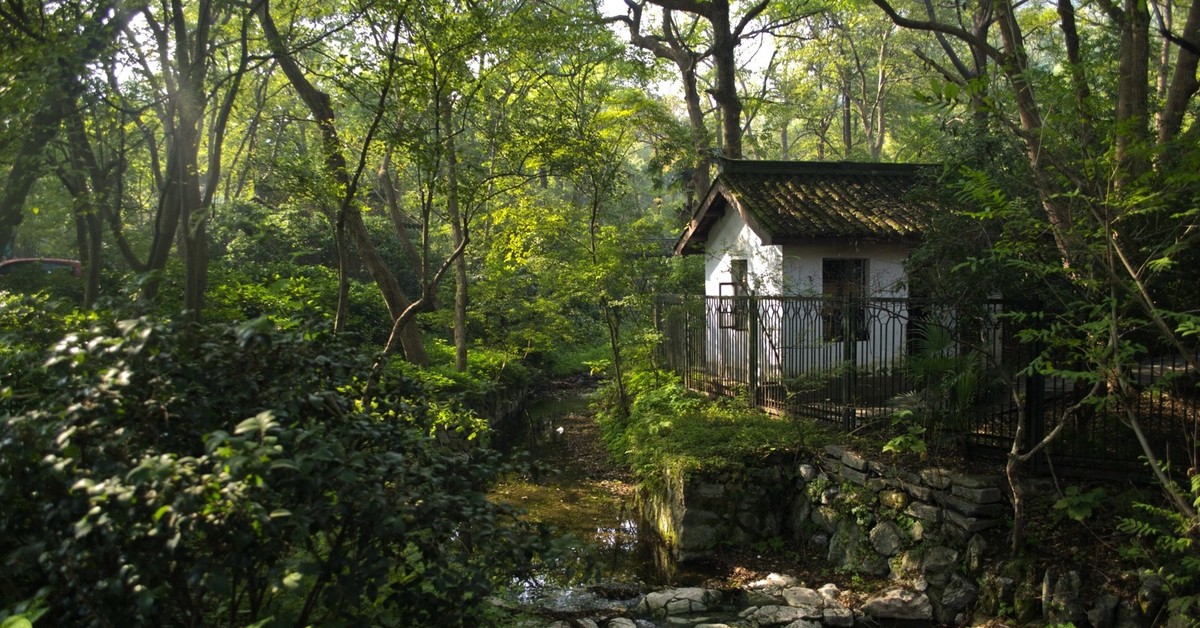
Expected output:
(863, 516)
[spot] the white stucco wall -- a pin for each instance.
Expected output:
(731, 238)
(885, 267)
(792, 332)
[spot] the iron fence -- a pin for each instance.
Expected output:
(856, 364)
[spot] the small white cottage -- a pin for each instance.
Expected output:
(835, 232)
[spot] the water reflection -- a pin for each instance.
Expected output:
(576, 490)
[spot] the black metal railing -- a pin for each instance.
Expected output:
(854, 363)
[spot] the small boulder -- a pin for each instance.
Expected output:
(899, 604)
(886, 538)
(801, 596)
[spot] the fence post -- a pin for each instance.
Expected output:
(850, 361)
(752, 349)
(687, 336)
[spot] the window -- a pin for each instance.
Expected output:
(735, 296)
(844, 283)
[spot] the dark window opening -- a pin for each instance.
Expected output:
(844, 283)
(735, 296)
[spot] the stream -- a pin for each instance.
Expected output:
(576, 488)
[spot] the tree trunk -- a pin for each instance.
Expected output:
(350, 216)
(724, 48)
(458, 229)
(1183, 83)
(1133, 92)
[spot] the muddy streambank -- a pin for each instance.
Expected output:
(576, 487)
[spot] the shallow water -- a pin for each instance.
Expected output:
(574, 489)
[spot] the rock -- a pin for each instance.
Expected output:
(1151, 594)
(895, 500)
(679, 601)
(831, 594)
(906, 566)
(826, 517)
(939, 562)
(846, 546)
(777, 581)
(584, 622)
(840, 617)
(976, 550)
(620, 622)
(781, 615)
(886, 538)
(1060, 598)
(924, 512)
(854, 476)
(899, 604)
(801, 511)
(957, 598)
(935, 477)
(969, 508)
(1103, 613)
(918, 492)
(711, 625)
(697, 539)
(758, 597)
(803, 597)
(969, 524)
(804, 623)
(1027, 599)
(997, 594)
(989, 495)
(1127, 616)
(917, 531)
(807, 472)
(975, 481)
(819, 542)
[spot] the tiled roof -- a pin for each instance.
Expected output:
(796, 201)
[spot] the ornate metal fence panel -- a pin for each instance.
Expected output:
(855, 363)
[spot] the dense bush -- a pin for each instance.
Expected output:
(671, 429)
(162, 473)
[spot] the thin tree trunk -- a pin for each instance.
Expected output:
(458, 230)
(349, 216)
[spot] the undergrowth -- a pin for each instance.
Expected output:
(671, 430)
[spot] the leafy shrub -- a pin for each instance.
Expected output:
(492, 384)
(1167, 539)
(165, 473)
(673, 430)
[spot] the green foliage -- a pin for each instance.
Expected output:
(1166, 539)
(1079, 505)
(671, 430)
(949, 380)
(911, 439)
(490, 387)
(164, 473)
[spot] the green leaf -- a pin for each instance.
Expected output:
(260, 423)
(292, 580)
